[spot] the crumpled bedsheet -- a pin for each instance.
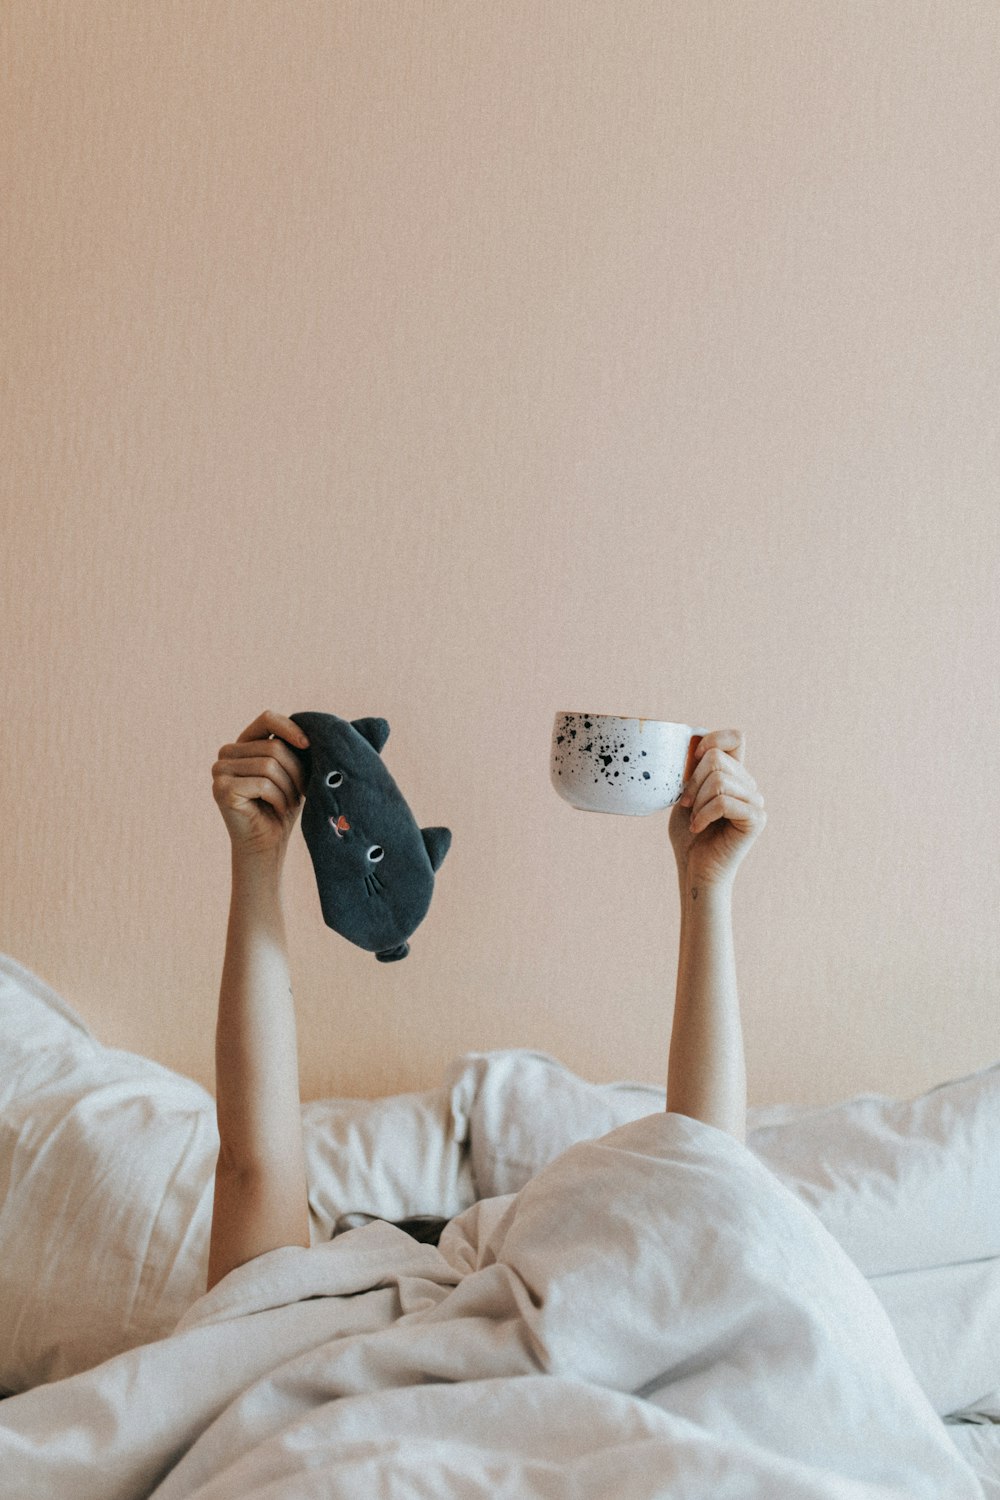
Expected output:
(653, 1315)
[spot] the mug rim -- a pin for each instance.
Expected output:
(572, 713)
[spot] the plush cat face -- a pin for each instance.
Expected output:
(374, 866)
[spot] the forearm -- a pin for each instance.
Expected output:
(261, 1197)
(706, 1070)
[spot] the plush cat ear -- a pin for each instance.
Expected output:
(390, 955)
(375, 731)
(437, 842)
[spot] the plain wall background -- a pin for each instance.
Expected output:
(461, 362)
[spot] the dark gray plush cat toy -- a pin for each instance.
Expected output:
(374, 866)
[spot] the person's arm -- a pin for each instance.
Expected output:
(706, 1069)
(261, 1196)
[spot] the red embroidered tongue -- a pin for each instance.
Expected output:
(341, 824)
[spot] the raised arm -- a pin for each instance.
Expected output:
(706, 1070)
(261, 1199)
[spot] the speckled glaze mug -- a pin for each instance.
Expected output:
(611, 764)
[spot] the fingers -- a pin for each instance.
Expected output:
(259, 767)
(717, 762)
(271, 723)
(720, 785)
(732, 740)
(249, 760)
(736, 809)
(237, 791)
(241, 768)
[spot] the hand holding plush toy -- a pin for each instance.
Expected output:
(257, 783)
(374, 866)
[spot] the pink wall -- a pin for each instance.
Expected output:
(457, 364)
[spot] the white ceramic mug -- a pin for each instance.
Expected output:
(611, 764)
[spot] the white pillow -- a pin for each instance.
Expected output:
(392, 1158)
(901, 1184)
(521, 1109)
(947, 1320)
(107, 1163)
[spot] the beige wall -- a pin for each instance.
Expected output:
(460, 362)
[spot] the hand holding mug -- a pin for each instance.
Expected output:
(720, 812)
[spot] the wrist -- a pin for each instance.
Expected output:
(257, 870)
(697, 892)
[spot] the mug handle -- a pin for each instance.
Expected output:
(696, 735)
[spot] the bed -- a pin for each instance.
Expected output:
(624, 1303)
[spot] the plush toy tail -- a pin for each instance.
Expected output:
(388, 955)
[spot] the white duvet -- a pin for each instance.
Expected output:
(653, 1315)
